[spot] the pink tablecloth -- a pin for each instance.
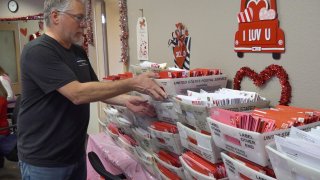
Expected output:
(115, 159)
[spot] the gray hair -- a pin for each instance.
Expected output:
(59, 5)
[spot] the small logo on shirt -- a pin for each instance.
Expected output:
(82, 62)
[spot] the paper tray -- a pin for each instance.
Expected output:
(234, 168)
(247, 144)
(286, 168)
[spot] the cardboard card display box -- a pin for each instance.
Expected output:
(199, 143)
(192, 174)
(178, 86)
(112, 135)
(111, 113)
(196, 115)
(146, 159)
(247, 144)
(287, 168)
(236, 168)
(144, 142)
(166, 140)
(176, 170)
(125, 145)
(166, 111)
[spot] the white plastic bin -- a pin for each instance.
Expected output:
(204, 146)
(234, 168)
(247, 144)
(286, 168)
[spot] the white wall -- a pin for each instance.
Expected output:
(212, 26)
(26, 8)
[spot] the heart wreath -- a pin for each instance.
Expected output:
(261, 78)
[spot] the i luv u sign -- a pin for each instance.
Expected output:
(259, 29)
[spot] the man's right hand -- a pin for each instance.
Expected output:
(144, 83)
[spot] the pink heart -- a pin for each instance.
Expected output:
(265, 14)
(256, 6)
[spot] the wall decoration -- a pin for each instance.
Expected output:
(261, 78)
(37, 33)
(124, 32)
(181, 44)
(24, 18)
(142, 39)
(24, 31)
(89, 33)
(259, 29)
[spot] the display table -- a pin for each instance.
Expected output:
(115, 159)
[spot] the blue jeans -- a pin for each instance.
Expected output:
(76, 171)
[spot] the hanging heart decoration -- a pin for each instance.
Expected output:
(24, 31)
(261, 78)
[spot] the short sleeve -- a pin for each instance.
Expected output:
(44, 66)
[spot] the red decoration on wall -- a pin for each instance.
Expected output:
(124, 36)
(25, 18)
(181, 44)
(24, 31)
(261, 78)
(89, 33)
(259, 29)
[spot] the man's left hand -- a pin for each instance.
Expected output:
(140, 106)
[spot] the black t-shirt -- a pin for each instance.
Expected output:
(51, 129)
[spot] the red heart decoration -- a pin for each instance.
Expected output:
(24, 31)
(256, 7)
(261, 78)
(180, 54)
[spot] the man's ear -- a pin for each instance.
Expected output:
(55, 17)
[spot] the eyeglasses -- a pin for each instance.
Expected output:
(81, 19)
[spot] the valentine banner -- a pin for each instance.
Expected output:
(259, 29)
(142, 39)
(181, 44)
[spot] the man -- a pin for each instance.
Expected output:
(58, 84)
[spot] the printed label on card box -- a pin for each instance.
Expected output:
(216, 129)
(230, 166)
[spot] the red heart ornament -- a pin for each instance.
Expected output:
(180, 54)
(24, 31)
(261, 78)
(256, 7)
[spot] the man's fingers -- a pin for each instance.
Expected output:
(152, 75)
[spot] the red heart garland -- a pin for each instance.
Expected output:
(263, 77)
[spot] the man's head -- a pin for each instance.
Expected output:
(65, 19)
